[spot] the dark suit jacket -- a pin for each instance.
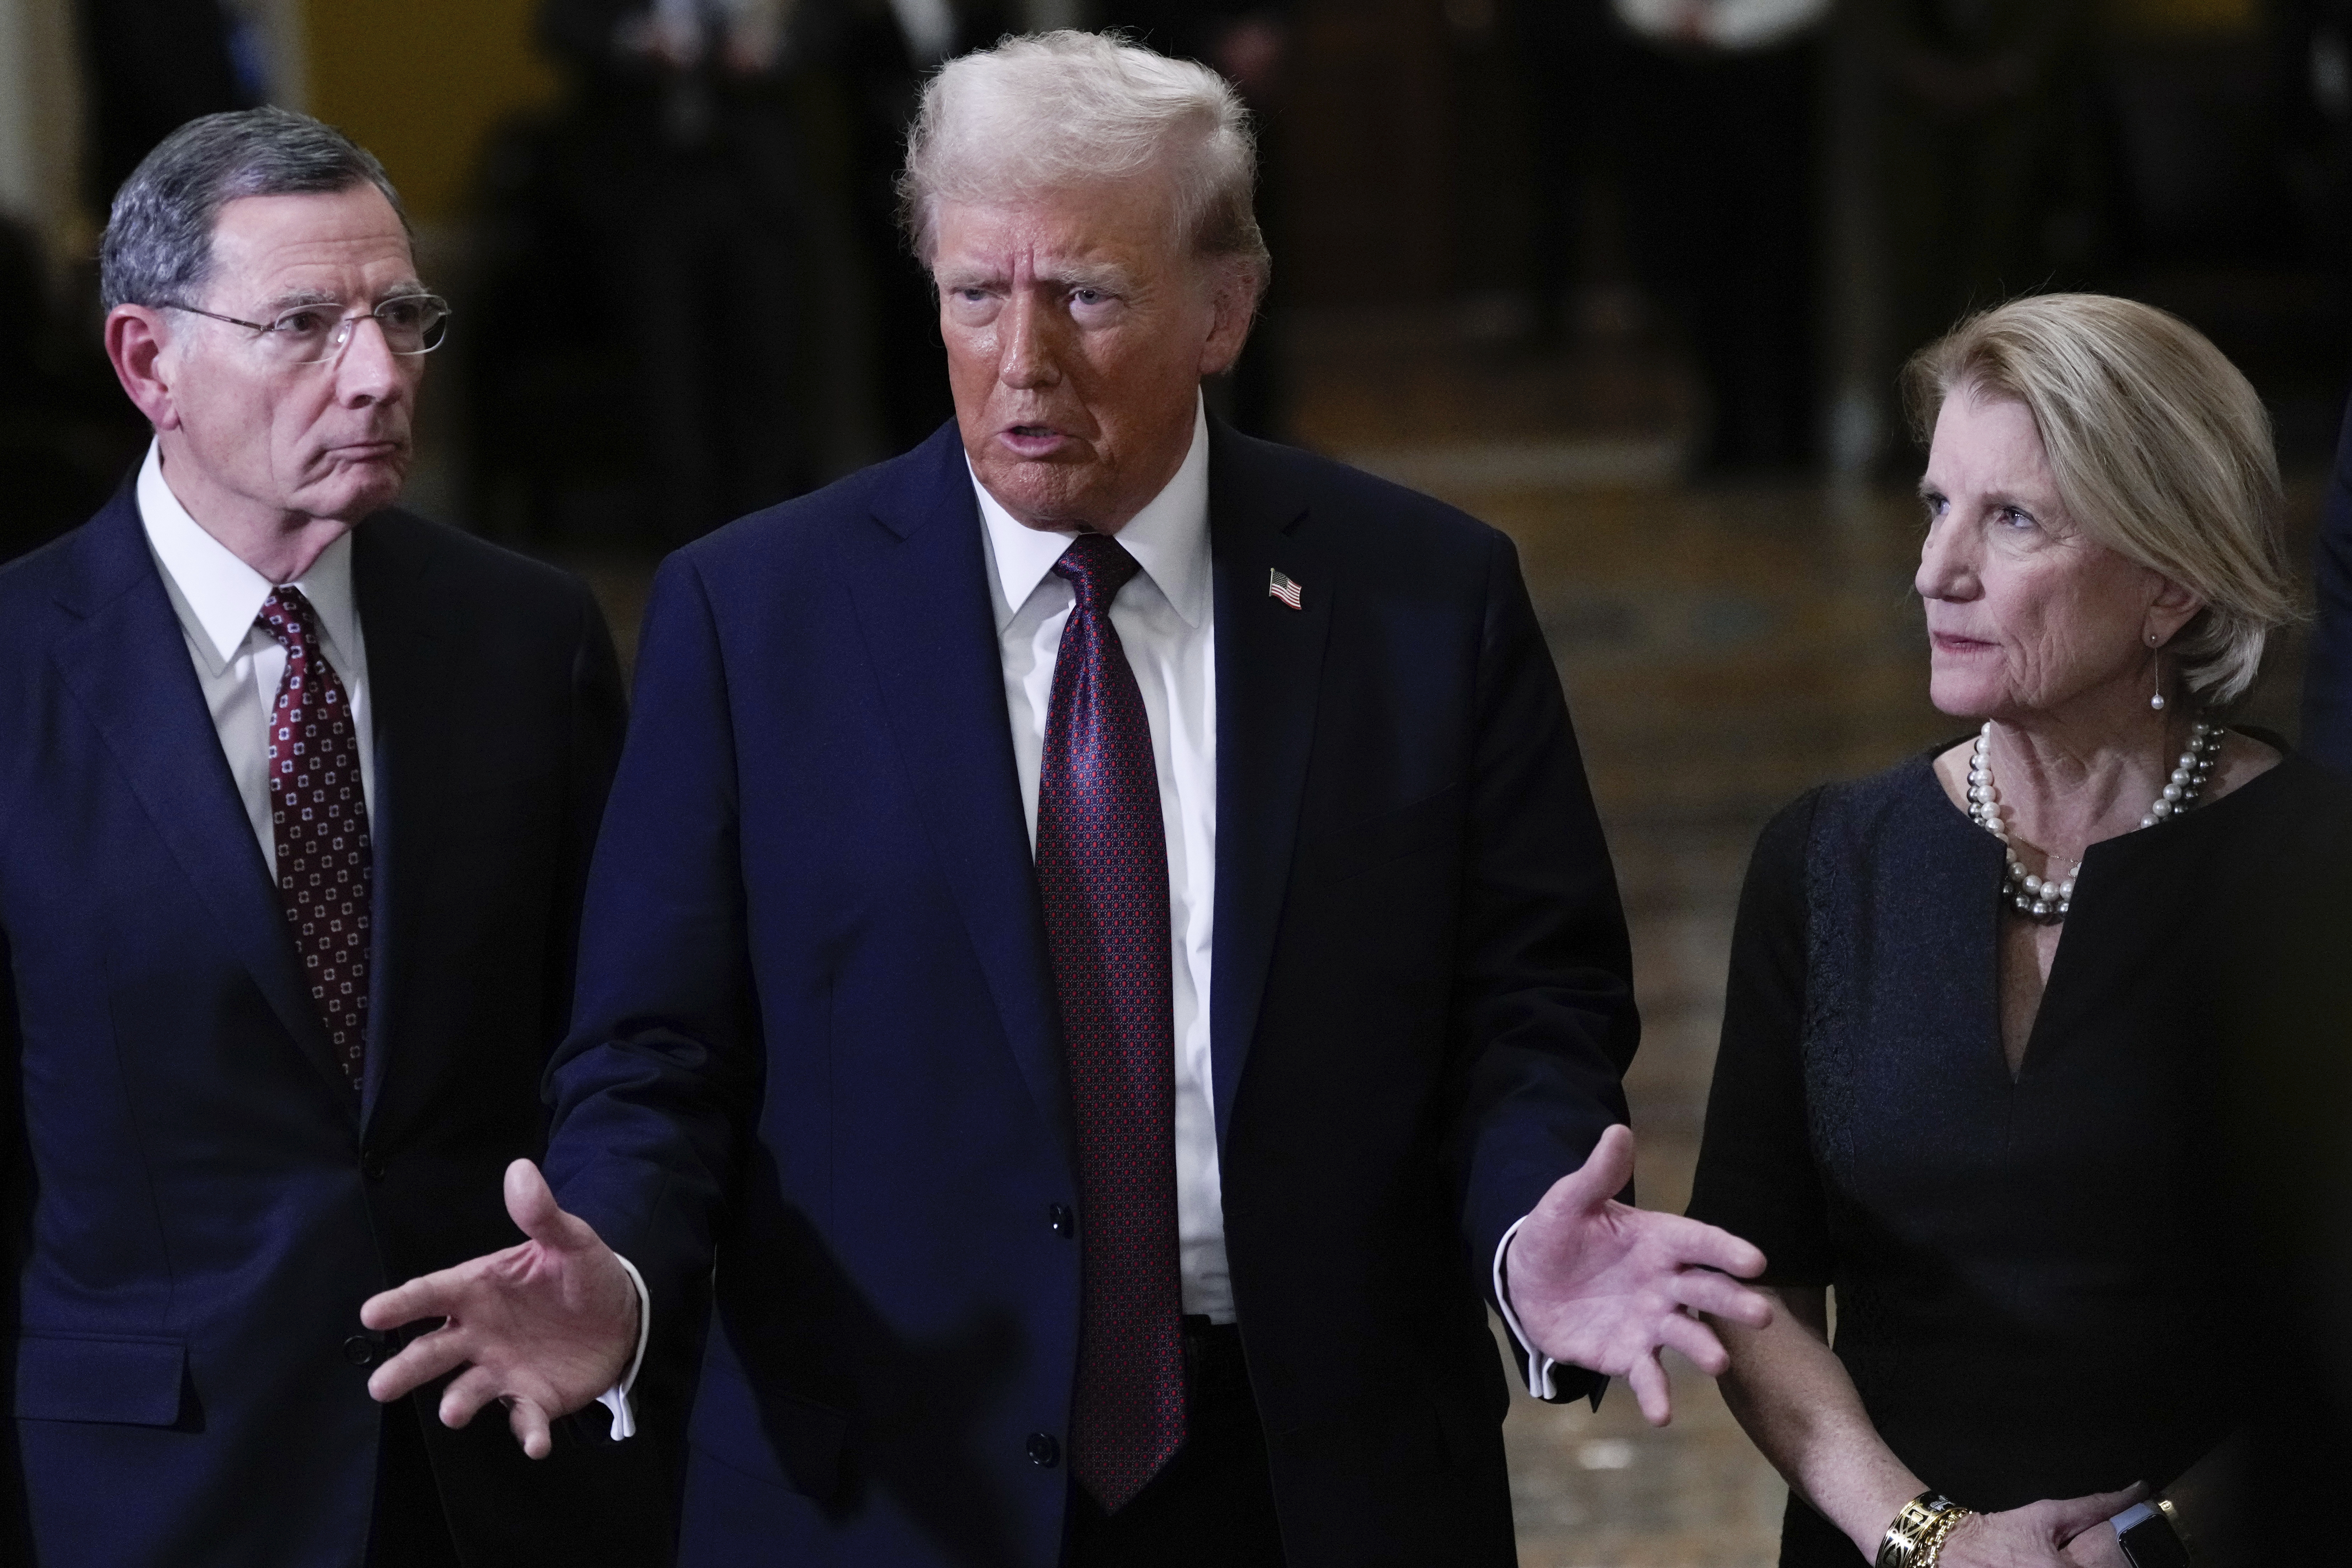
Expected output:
(194, 1207)
(816, 1036)
(2327, 677)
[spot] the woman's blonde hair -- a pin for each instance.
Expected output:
(2160, 449)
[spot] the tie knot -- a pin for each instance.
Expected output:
(286, 616)
(1097, 566)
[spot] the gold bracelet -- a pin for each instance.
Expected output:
(1915, 1539)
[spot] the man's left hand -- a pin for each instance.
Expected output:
(1599, 1284)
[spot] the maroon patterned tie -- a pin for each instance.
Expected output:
(1102, 866)
(325, 868)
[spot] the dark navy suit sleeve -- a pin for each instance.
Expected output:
(653, 1087)
(2327, 677)
(1544, 1005)
(600, 717)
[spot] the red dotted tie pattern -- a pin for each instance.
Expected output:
(325, 866)
(1102, 868)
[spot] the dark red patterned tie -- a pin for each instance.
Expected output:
(1102, 866)
(325, 868)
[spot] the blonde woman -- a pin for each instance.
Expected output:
(1972, 1042)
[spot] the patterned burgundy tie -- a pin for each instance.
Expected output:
(1102, 866)
(325, 868)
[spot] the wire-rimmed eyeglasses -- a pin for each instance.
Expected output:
(312, 334)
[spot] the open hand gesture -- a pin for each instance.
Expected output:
(1598, 1284)
(543, 1328)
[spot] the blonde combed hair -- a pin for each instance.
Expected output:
(2160, 449)
(1055, 109)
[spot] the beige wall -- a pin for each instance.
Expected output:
(419, 82)
(40, 122)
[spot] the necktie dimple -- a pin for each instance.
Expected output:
(1102, 869)
(318, 810)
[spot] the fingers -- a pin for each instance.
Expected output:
(426, 1296)
(1602, 1178)
(529, 1423)
(1695, 1342)
(1649, 1382)
(2069, 1517)
(429, 1357)
(1694, 1244)
(1706, 1291)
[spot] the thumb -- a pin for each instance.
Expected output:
(2069, 1517)
(1602, 1178)
(532, 1204)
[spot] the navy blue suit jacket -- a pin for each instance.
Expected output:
(817, 1041)
(192, 1205)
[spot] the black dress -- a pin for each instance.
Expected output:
(2036, 1290)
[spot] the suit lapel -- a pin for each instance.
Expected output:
(400, 622)
(127, 665)
(1269, 667)
(921, 588)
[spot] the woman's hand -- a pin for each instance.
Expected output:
(2054, 1533)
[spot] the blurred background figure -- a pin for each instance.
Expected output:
(1714, 107)
(153, 64)
(686, 178)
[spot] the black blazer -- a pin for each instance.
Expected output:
(817, 1037)
(195, 1205)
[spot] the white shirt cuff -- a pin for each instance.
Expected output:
(616, 1398)
(1540, 1365)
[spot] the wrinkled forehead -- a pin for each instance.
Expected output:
(1131, 223)
(347, 245)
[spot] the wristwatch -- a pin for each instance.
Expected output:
(2149, 1539)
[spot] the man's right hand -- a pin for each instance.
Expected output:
(542, 1328)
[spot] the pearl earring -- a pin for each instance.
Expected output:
(2155, 702)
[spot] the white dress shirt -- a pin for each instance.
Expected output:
(218, 598)
(1165, 619)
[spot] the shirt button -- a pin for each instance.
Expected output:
(1059, 1216)
(1043, 1451)
(360, 1350)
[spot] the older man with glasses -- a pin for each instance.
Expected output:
(297, 792)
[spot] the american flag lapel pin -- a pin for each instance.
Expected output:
(1278, 587)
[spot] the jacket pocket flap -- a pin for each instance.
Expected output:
(136, 1383)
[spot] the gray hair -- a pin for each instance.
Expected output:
(158, 248)
(1062, 109)
(2161, 452)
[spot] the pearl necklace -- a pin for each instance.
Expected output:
(2048, 898)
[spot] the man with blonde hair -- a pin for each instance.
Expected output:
(1102, 936)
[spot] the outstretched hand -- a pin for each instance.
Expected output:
(1599, 1284)
(543, 1328)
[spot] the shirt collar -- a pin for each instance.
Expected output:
(1168, 538)
(221, 591)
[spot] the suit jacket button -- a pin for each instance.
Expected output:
(360, 1350)
(1059, 1216)
(1043, 1451)
(372, 1168)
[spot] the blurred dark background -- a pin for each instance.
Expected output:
(1696, 236)
(1630, 279)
